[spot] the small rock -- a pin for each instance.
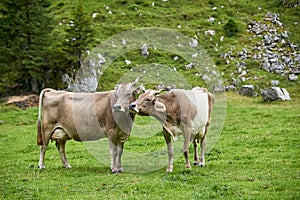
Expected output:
(274, 82)
(194, 43)
(128, 62)
(275, 93)
(247, 90)
(144, 50)
(210, 32)
(189, 66)
(293, 77)
(230, 88)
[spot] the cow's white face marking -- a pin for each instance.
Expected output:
(124, 95)
(144, 104)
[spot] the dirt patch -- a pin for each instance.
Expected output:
(24, 101)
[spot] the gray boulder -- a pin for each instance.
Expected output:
(247, 90)
(275, 93)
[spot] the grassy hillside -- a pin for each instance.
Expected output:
(191, 19)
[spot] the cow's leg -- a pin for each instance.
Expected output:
(203, 142)
(43, 149)
(119, 156)
(60, 144)
(170, 151)
(186, 143)
(202, 160)
(113, 152)
(196, 156)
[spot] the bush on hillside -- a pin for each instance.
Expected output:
(231, 28)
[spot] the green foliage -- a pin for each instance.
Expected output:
(24, 32)
(231, 28)
(77, 40)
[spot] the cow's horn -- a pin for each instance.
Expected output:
(136, 80)
(161, 90)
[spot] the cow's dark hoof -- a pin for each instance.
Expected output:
(115, 171)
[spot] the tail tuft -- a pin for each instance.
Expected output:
(39, 134)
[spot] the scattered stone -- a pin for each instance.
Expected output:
(194, 43)
(211, 19)
(189, 66)
(274, 82)
(210, 32)
(247, 90)
(128, 62)
(230, 88)
(94, 15)
(293, 77)
(144, 50)
(275, 93)
(124, 42)
(206, 78)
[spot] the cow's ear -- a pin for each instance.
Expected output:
(160, 107)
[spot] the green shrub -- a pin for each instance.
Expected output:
(231, 28)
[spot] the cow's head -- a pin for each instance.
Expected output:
(125, 94)
(147, 104)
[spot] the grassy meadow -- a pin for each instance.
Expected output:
(255, 157)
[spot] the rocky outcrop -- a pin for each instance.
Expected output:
(274, 52)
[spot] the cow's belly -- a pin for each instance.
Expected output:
(198, 126)
(80, 133)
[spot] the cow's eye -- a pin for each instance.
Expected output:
(128, 94)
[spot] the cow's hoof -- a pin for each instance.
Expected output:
(199, 164)
(188, 166)
(67, 166)
(114, 171)
(120, 170)
(41, 167)
(196, 164)
(169, 169)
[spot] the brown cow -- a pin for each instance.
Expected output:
(185, 112)
(86, 117)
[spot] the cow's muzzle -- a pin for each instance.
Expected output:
(118, 108)
(133, 108)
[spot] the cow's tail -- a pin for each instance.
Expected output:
(211, 101)
(39, 127)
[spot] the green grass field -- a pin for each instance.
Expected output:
(256, 157)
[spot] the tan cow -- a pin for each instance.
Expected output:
(85, 117)
(185, 112)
